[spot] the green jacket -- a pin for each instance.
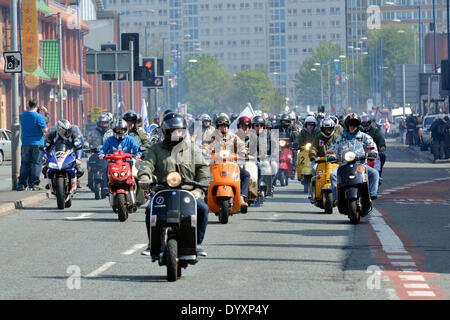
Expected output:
(141, 138)
(304, 137)
(185, 158)
(378, 137)
(320, 144)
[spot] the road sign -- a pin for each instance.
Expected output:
(13, 61)
(155, 82)
(95, 113)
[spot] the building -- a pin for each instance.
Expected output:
(274, 36)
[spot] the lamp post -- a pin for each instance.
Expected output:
(321, 84)
(61, 102)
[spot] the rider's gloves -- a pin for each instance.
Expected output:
(383, 149)
(197, 193)
(372, 155)
(331, 157)
(145, 182)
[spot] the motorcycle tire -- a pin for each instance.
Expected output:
(224, 211)
(171, 258)
(328, 202)
(122, 210)
(282, 178)
(60, 196)
(353, 212)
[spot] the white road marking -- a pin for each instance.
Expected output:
(403, 263)
(81, 216)
(134, 249)
(103, 268)
(421, 293)
(399, 257)
(416, 286)
(390, 242)
(411, 277)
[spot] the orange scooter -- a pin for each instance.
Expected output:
(224, 192)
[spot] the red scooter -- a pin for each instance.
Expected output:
(285, 168)
(122, 184)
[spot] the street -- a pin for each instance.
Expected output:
(285, 250)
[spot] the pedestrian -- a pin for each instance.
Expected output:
(402, 130)
(447, 138)
(438, 128)
(34, 126)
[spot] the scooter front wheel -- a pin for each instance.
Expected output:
(328, 202)
(353, 212)
(224, 210)
(122, 210)
(172, 264)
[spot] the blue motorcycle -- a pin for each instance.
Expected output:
(62, 174)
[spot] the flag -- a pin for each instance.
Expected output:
(247, 112)
(145, 122)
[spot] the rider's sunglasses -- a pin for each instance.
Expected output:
(221, 123)
(258, 125)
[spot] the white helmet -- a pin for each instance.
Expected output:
(120, 129)
(311, 120)
(327, 127)
(64, 129)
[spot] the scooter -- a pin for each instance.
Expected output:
(62, 174)
(353, 183)
(321, 194)
(252, 168)
(265, 187)
(173, 224)
(285, 169)
(225, 186)
(98, 169)
(304, 167)
(121, 185)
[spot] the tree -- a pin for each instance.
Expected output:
(205, 84)
(249, 86)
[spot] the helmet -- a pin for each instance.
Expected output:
(285, 120)
(222, 120)
(327, 127)
(103, 122)
(351, 119)
(120, 129)
(310, 120)
(64, 129)
(109, 116)
(233, 117)
(365, 123)
(171, 122)
(130, 116)
(320, 116)
(258, 120)
(244, 120)
(205, 118)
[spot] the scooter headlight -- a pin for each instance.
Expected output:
(115, 174)
(308, 146)
(224, 154)
(122, 174)
(349, 156)
(173, 179)
(282, 143)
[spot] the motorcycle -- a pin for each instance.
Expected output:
(225, 186)
(320, 192)
(285, 168)
(265, 186)
(304, 167)
(98, 168)
(122, 184)
(62, 174)
(173, 224)
(353, 182)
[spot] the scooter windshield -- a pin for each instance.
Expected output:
(354, 146)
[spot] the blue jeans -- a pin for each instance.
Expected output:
(30, 166)
(245, 181)
(372, 174)
(202, 220)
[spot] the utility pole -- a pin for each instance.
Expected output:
(131, 75)
(15, 125)
(61, 101)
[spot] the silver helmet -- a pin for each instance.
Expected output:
(120, 129)
(64, 129)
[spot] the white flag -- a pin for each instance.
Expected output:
(247, 112)
(145, 122)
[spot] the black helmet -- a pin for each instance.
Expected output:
(233, 117)
(120, 129)
(222, 120)
(258, 120)
(172, 122)
(130, 116)
(352, 119)
(285, 120)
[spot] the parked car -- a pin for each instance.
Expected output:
(425, 133)
(5, 145)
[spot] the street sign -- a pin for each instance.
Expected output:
(155, 82)
(95, 113)
(13, 62)
(107, 62)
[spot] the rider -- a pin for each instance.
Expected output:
(377, 136)
(66, 135)
(120, 141)
(207, 128)
(351, 132)
(190, 165)
(223, 139)
(138, 133)
(307, 134)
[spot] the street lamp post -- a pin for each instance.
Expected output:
(321, 84)
(61, 102)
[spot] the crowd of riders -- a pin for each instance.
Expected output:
(205, 134)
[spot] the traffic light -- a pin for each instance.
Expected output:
(108, 47)
(149, 64)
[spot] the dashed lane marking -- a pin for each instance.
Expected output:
(103, 268)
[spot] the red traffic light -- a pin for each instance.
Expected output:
(148, 64)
